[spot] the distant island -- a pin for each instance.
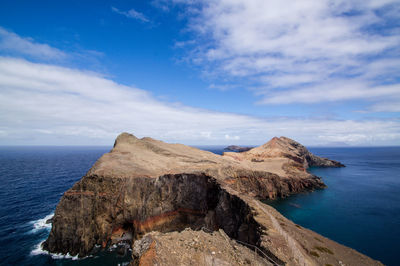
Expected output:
(236, 148)
(178, 205)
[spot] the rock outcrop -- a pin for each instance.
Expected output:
(145, 185)
(286, 148)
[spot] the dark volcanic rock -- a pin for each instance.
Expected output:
(97, 208)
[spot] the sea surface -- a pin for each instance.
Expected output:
(360, 208)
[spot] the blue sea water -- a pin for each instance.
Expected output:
(32, 180)
(360, 208)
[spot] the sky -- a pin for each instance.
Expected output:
(200, 72)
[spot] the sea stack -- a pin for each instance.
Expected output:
(180, 205)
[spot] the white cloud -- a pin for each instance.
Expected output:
(46, 104)
(389, 106)
(228, 137)
(132, 13)
(13, 43)
(334, 92)
(296, 49)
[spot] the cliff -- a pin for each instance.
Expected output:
(145, 185)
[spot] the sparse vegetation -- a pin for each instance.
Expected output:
(323, 249)
(315, 254)
(316, 238)
(298, 226)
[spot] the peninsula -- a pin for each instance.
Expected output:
(178, 205)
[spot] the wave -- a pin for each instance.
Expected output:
(38, 250)
(40, 224)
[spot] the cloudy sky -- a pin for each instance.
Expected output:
(325, 73)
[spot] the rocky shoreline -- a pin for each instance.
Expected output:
(145, 191)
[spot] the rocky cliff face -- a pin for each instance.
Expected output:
(146, 185)
(97, 209)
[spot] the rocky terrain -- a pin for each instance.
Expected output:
(190, 247)
(181, 205)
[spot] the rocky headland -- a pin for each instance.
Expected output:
(178, 205)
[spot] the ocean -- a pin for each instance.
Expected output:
(360, 208)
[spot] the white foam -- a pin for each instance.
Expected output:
(62, 256)
(38, 250)
(112, 247)
(41, 224)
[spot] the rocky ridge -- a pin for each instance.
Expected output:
(145, 185)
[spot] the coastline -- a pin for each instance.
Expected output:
(53, 179)
(212, 191)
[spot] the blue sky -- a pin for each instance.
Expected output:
(200, 71)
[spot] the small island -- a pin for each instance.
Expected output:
(236, 148)
(178, 205)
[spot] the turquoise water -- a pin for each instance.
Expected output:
(361, 206)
